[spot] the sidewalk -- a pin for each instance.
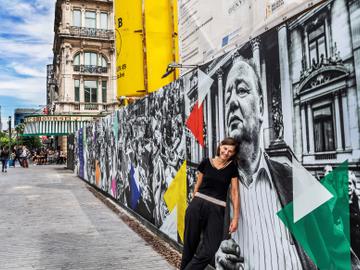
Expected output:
(50, 220)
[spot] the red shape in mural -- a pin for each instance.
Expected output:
(195, 123)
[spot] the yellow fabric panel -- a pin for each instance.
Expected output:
(176, 196)
(159, 42)
(129, 48)
(182, 201)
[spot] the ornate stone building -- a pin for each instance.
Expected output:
(83, 78)
(324, 77)
(84, 56)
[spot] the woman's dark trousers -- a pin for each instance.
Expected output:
(4, 167)
(206, 218)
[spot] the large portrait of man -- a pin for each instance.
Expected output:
(262, 241)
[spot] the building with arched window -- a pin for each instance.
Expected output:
(83, 78)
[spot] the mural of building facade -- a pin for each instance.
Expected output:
(288, 96)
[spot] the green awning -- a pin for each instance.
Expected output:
(54, 125)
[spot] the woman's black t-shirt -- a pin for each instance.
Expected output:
(216, 182)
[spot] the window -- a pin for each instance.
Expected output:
(317, 44)
(90, 59)
(104, 92)
(92, 63)
(102, 61)
(103, 20)
(90, 19)
(324, 129)
(90, 88)
(77, 90)
(77, 18)
(77, 60)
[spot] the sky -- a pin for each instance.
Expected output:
(26, 37)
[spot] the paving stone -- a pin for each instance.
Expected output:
(49, 220)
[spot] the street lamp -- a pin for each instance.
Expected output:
(9, 133)
(172, 66)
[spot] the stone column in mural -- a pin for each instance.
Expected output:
(311, 129)
(338, 123)
(221, 103)
(286, 93)
(347, 137)
(303, 130)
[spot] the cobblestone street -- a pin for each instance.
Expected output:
(50, 220)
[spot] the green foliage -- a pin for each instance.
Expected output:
(4, 141)
(31, 142)
(20, 128)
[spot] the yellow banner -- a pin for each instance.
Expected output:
(160, 43)
(129, 48)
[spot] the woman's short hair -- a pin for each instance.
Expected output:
(228, 141)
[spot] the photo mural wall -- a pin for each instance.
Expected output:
(291, 99)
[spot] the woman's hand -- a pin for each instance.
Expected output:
(233, 225)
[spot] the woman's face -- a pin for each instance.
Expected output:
(226, 151)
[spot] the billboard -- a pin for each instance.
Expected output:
(290, 99)
(207, 30)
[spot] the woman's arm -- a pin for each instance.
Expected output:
(198, 183)
(236, 205)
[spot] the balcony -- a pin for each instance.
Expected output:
(91, 32)
(91, 106)
(90, 69)
(85, 107)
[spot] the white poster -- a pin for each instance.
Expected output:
(209, 29)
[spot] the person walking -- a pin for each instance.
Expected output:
(24, 157)
(4, 156)
(205, 214)
(18, 151)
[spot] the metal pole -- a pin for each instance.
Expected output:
(9, 134)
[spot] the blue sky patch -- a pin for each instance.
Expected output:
(26, 37)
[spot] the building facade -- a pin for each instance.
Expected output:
(20, 114)
(324, 75)
(81, 80)
(84, 57)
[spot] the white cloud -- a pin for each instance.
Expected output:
(28, 71)
(33, 23)
(26, 49)
(31, 90)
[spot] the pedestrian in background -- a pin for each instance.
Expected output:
(12, 159)
(4, 156)
(18, 151)
(24, 157)
(206, 212)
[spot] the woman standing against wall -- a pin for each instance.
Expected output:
(205, 214)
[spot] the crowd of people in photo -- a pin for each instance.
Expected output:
(45, 156)
(141, 154)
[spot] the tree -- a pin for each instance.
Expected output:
(4, 139)
(31, 142)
